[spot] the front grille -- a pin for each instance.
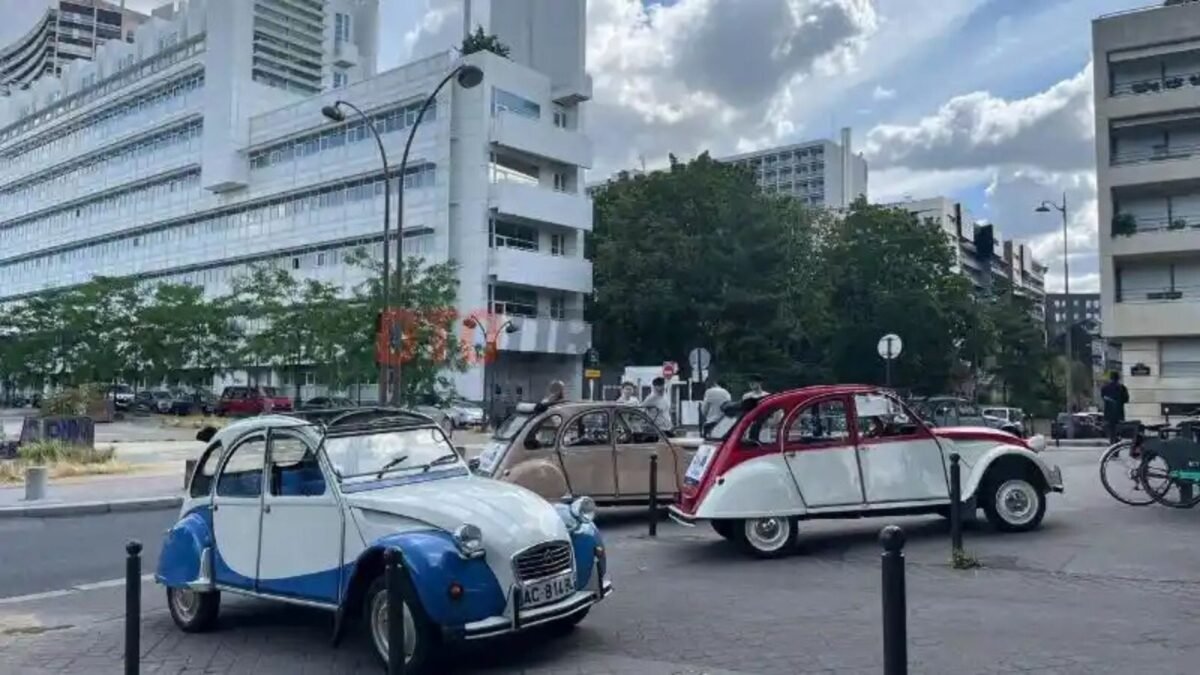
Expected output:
(543, 560)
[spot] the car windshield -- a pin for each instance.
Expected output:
(161, 394)
(374, 454)
(270, 391)
(722, 428)
(511, 427)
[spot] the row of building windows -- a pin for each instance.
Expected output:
(307, 29)
(76, 221)
(816, 152)
(64, 178)
(385, 122)
(225, 227)
(132, 115)
(18, 57)
(518, 105)
(523, 302)
(287, 84)
(524, 238)
(128, 74)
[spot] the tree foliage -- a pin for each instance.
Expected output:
(480, 41)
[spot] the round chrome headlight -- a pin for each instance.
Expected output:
(469, 539)
(584, 509)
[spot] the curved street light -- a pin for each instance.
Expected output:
(1046, 207)
(490, 342)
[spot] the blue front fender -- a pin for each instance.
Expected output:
(179, 562)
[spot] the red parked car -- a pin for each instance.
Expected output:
(252, 401)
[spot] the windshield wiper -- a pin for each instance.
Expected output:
(444, 459)
(391, 463)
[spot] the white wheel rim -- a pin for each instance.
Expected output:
(186, 603)
(379, 627)
(768, 534)
(1017, 502)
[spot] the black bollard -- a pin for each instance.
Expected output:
(133, 607)
(895, 630)
(395, 597)
(652, 514)
(955, 504)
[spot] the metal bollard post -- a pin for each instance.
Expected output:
(396, 651)
(955, 503)
(895, 611)
(133, 607)
(652, 513)
(35, 482)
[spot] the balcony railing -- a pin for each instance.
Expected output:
(1156, 84)
(1176, 221)
(1155, 153)
(1157, 295)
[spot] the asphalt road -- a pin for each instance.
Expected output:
(47, 554)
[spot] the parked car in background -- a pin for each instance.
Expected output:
(1087, 425)
(951, 411)
(194, 401)
(596, 449)
(122, 396)
(327, 403)
(1014, 416)
(252, 400)
(465, 413)
(152, 400)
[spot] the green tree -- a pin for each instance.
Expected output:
(1020, 354)
(99, 324)
(183, 336)
(480, 41)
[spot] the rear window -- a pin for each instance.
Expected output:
(202, 476)
(722, 428)
(511, 427)
(269, 391)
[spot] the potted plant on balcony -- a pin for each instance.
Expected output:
(1123, 225)
(1195, 80)
(1177, 224)
(1173, 82)
(1140, 87)
(1154, 85)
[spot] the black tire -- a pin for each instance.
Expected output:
(1013, 502)
(724, 528)
(427, 636)
(1152, 474)
(1131, 474)
(766, 537)
(193, 612)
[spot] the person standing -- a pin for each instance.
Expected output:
(628, 394)
(715, 397)
(1114, 396)
(658, 405)
(756, 388)
(555, 393)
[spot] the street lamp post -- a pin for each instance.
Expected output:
(1045, 207)
(334, 113)
(489, 349)
(468, 76)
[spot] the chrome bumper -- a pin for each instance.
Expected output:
(598, 589)
(1054, 478)
(685, 519)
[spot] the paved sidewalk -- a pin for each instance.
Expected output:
(99, 488)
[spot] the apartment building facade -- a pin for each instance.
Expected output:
(1147, 84)
(200, 150)
(819, 173)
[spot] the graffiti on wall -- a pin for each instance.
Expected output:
(69, 430)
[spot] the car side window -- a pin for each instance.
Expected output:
(765, 430)
(635, 427)
(588, 430)
(821, 422)
(881, 416)
(206, 468)
(295, 471)
(242, 475)
(546, 431)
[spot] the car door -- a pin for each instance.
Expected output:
(237, 513)
(901, 460)
(818, 445)
(585, 450)
(636, 438)
(300, 555)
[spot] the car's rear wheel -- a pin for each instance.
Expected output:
(193, 611)
(1013, 503)
(419, 634)
(767, 537)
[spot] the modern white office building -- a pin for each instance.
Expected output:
(1147, 101)
(819, 173)
(1011, 260)
(64, 32)
(199, 149)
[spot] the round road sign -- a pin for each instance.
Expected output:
(890, 346)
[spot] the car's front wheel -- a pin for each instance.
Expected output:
(1014, 504)
(767, 537)
(419, 634)
(193, 611)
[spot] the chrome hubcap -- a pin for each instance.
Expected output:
(1017, 502)
(379, 627)
(186, 602)
(768, 534)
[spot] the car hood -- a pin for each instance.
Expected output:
(978, 434)
(511, 517)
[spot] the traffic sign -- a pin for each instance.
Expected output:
(699, 359)
(669, 369)
(890, 346)
(592, 358)
(592, 373)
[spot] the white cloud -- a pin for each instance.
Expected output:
(882, 93)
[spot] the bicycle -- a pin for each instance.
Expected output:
(1124, 460)
(1169, 469)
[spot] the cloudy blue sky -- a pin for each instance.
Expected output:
(988, 101)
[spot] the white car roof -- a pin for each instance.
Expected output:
(262, 422)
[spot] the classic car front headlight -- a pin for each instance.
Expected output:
(583, 509)
(469, 539)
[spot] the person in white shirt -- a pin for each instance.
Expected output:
(658, 405)
(756, 388)
(628, 394)
(715, 397)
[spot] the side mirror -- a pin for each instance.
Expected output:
(205, 435)
(531, 443)
(473, 464)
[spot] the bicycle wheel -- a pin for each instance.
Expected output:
(1119, 475)
(1154, 475)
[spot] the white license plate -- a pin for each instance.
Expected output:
(699, 463)
(546, 591)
